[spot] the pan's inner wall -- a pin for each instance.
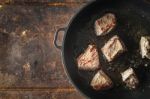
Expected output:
(133, 21)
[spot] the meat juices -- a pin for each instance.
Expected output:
(89, 60)
(113, 48)
(145, 47)
(101, 81)
(130, 79)
(105, 24)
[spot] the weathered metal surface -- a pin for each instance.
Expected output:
(30, 66)
(48, 2)
(39, 95)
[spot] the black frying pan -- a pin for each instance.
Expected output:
(133, 21)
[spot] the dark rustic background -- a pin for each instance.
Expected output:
(30, 65)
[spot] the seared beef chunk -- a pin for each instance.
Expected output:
(89, 60)
(113, 48)
(130, 79)
(105, 24)
(145, 47)
(101, 81)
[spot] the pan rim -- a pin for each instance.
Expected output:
(63, 49)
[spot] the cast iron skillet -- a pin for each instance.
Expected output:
(133, 21)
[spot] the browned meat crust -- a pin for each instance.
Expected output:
(105, 24)
(113, 48)
(101, 81)
(89, 60)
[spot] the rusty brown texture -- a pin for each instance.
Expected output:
(30, 66)
(41, 2)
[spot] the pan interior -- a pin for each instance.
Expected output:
(133, 21)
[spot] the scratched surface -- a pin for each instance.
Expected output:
(30, 65)
(43, 1)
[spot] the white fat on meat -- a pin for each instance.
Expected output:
(129, 78)
(145, 47)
